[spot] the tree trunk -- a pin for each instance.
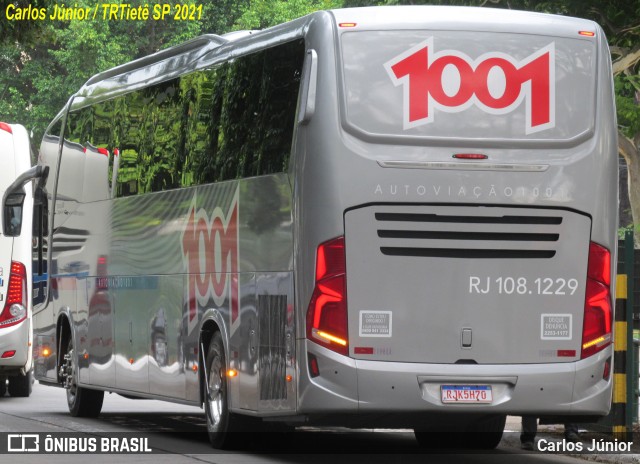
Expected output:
(629, 150)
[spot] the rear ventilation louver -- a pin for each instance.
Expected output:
(442, 235)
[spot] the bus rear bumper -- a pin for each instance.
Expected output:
(572, 388)
(560, 388)
(15, 338)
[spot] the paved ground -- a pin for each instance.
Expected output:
(550, 436)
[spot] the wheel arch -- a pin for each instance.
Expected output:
(212, 322)
(64, 332)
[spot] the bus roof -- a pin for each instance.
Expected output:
(210, 49)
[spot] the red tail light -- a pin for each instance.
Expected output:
(598, 314)
(327, 313)
(6, 127)
(15, 306)
(102, 279)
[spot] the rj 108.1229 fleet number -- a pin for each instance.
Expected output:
(522, 286)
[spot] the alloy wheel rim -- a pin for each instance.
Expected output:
(72, 391)
(216, 395)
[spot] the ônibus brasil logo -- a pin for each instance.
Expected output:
(495, 82)
(210, 255)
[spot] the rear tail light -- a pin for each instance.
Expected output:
(15, 306)
(598, 314)
(102, 279)
(6, 127)
(327, 313)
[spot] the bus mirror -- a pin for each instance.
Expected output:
(13, 200)
(309, 85)
(12, 214)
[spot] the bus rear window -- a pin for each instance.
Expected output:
(468, 85)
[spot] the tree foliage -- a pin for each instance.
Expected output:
(42, 63)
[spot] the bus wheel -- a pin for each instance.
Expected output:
(222, 426)
(435, 440)
(463, 433)
(20, 385)
(485, 433)
(82, 402)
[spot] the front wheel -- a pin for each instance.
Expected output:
(82, 402)
(223, 426)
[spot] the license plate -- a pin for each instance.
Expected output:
(466, 394)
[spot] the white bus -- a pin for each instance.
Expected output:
(16, 331)
(393, 216)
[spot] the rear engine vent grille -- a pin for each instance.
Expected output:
(468, 236)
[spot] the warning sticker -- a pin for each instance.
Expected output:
(375, 323)
(556, 327)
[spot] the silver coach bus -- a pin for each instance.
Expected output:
(393, 216)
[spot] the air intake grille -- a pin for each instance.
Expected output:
(471, 236)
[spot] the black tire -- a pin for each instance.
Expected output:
(483, 433)
(223, 427)
(437, 440)
(3, 386)
(20, 385)
(82, 402)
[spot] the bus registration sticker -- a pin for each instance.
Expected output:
(556, 327)
(466, 394)
(375, 324)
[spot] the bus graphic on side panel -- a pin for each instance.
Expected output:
(211, 254)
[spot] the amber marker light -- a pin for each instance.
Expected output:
(587, 33)
(347, 24)
(331, 338)
(289, 378)
(232, 373)
(130, 360)
(86, 356)
(195, 368)
(595, 342)
(46, 352)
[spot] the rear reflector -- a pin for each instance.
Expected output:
(566, 353)
(8, 354)
(6, 127)
(314, 369)
(363, 350)
(606, 372)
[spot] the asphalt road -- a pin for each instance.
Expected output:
(178, 433)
